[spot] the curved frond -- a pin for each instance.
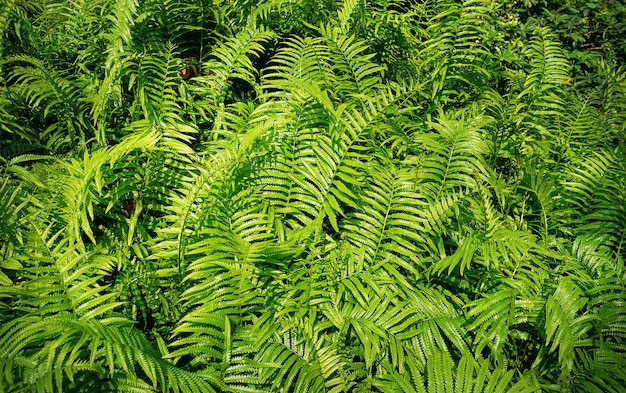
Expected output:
(456, 56)
(454, 162)
(48, 92)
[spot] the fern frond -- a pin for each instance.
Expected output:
(542, 96)
(296, 371)
(355, 72)
(118, 61)
(440, 325)
(389, 226)
(597, 371)
(493, 316)
(454, 162)
(112, 349)
(49, 92)
(305, 58)
(606, 298)
(543, 190)
(232, 59)
(596, 193)
(549, 67)
(5, 12)
(613, 95)
(67, 325)
(158, 81)
(411, 381)
(566, 324)
(471, 376)
(579, 130)
(455, 55)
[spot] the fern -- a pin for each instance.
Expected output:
(613, 98)
(305, 196)
(230, 60)
(468, 375)
(543, 192)
(47, 91)
(14, 212)
(387, 227)
(579, 131)
(455, 55)
(356, 74)
(304, 58)
(455, 161)
(494, 316)
(541, 97)
(119, 40)
(5, 14)
(564, 328)
(596, 189)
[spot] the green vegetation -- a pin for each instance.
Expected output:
(312, 196)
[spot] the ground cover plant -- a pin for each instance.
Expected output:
(312, 196)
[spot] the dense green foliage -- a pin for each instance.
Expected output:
(308, 196)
